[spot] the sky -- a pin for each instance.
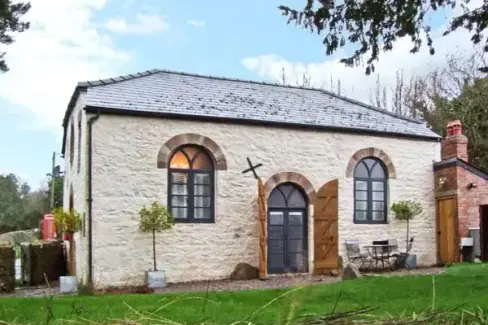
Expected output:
(78, 40)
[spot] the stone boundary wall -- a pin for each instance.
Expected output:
(7, 269)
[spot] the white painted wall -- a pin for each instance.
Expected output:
(126, 178)
(77, 177)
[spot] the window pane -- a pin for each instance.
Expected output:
(361, 215)
(369, 162)
(179, 189)
(276, 246)
(378, 206)
(202, 178)
(179, 201)
(361, 195)
(287, 189)
(179, 161)
(276, 232)
(276, 199)
(361, 205)
(179, 177)
(361, 170)
(276, 260)
(179, 213)
(295, 232)
(276, 218)
(378, 171)
(378, 186)
(295, 245)
(202, 202)
(191, 151)
(202, 190)
(296, 200)
(378, 196)
(202, 161)
(361, 185)
(378, 215)
(295, 218)
(202, 213)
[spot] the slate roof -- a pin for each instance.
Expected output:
(196, 96)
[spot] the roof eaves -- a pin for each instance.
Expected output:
(457, 162)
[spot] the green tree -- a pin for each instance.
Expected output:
(12, 195)
(58, 190)
(155, 218)
(375, 25)
(406, 211)
(10, 22)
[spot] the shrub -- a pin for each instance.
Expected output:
(406, 210)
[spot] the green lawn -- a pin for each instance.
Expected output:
(463, 286)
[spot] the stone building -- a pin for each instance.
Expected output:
(331, 168)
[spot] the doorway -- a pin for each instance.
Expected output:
(287, 230)
(447, 230)
(484, 232)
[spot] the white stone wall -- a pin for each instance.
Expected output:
(76, 177)
(126, 178)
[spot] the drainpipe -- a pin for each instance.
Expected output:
(91, 121)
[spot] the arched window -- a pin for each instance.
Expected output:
(72, 143)
(79, 141)
(191, 185)
(287, 230)
(370, 188)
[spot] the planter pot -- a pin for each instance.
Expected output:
(156, 279)
(67, 236)
(411, 261)
(68, 284)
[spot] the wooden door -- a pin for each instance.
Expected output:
(447, 230)
(262, 229)
(326, 231)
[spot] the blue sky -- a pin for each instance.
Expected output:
(91, 39)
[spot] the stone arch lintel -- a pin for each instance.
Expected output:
(172, 144)
(370, 152)
(290, 177)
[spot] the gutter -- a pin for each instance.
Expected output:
(91, 121)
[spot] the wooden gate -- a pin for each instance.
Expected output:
(262, 229)
(447, 244)
(326, 231)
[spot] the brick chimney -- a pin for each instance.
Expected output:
(456, 143)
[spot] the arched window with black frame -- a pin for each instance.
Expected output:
(370, 191)
(191, 185)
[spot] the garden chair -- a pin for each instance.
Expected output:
(381, 253)
(401, 258)
(354, 254)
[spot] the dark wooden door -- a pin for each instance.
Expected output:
(326, 231)
(484, 232)
(447, 230)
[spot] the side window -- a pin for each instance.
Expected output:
(370, 190)
(191, 185)
(71, 143)
(79, 141)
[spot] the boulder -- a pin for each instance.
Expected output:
(244, 271)
(351, 272)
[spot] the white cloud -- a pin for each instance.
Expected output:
(145, 24)
(354, 83)
(196, 23)
(61, 48)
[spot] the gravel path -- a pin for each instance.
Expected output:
(274, 282)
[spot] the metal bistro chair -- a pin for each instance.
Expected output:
(401, 258)
(382, 253)
(354, 253)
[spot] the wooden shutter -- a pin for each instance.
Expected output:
(326, 231)
(262, 229)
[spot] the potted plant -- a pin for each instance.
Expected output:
(67, 222)
(155, 218)
(406, 211)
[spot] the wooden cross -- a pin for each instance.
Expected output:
(252, 168)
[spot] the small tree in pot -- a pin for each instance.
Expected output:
(67, 222)
(406, 210)
(155, 218)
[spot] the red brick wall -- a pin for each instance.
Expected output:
(455, 146)
(469, 200)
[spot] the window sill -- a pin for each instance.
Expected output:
(369, 222)
(194, 221)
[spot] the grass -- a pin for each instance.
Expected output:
(461, 287)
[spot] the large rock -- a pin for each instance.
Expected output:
(244, 271)
(351, 272)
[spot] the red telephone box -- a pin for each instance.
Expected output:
(48, 227)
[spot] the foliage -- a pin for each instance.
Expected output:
(10, 22)
(12, 204)
(406, 210)
(67, 221)
(375, 25)
(155, 218)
